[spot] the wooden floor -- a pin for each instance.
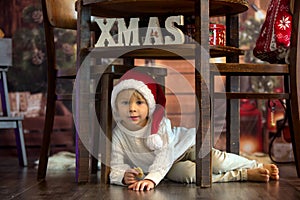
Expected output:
(20, 183)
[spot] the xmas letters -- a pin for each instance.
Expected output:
(130, 36)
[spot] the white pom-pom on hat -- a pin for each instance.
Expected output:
(154, 142)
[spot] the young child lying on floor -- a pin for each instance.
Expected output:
(146, 149)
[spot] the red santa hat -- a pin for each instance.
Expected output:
(154, 95)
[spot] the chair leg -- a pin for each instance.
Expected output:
(94, 156)
(96, 131)
(294, 104)
(48, 127)
(292, 111)
(20, 144)
(106, 125)
(296, 147)
(294, 124)
(82, 161)
(232, 124)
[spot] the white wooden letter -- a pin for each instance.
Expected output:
(153, 33)
(133, 29)
(105, 34)
(176, 32)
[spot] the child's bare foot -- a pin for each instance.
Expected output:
(273, 170)
(258, 174)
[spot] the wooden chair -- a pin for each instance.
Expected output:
(61, 14)
(7, 121)
(56, 14)
(87, 8)
(290, 73)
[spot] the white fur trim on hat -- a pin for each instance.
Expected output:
(154, 142)
(140, 86)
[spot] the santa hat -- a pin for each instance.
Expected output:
(154, 95)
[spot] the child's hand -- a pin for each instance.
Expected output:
(142, 185)
(130, 176)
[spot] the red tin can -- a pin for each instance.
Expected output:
(217, 34)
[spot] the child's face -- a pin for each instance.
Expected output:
(132, 109)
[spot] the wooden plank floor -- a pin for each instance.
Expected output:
(20, 183)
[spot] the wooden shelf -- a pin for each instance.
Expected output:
(222, 7)
(246, 69)
(250, 95)
(139, 8)
(185, 51)
(221, 51)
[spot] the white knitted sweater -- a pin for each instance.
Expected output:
(129, 150)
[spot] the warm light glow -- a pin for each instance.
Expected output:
(249, 144)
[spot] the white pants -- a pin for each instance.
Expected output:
(226, 167)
